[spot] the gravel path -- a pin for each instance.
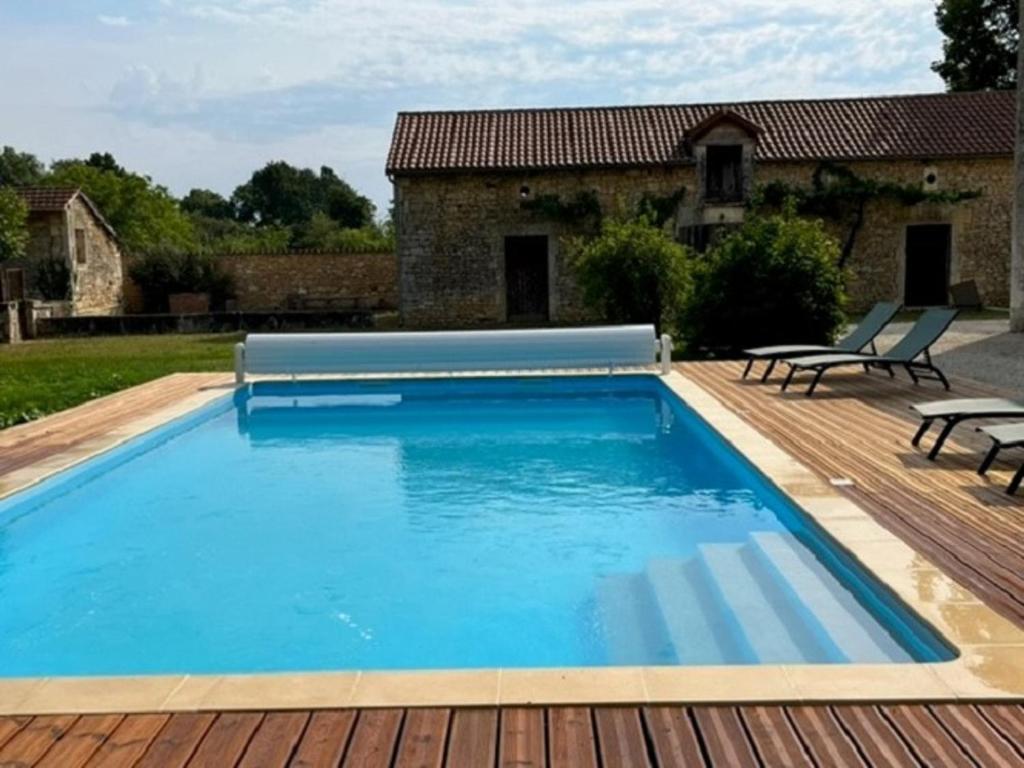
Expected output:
(983, 350)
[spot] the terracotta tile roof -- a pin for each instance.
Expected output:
(47, 198)
(918, 126)
(56, 199)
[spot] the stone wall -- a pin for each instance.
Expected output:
(306, 281)
(451, 230)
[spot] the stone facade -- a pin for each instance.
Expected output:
(75, 237)
(451, 228)
(306, 281)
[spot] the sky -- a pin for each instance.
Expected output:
(200, 93)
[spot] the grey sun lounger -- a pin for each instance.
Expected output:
(910, 353)
(862, 336)
(1004, 436)
(952, 412)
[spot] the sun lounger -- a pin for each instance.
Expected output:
(1004, 436)
(910, 353)
(953, 412)
(860, 337)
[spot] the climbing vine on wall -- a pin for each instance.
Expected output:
(583, 207)
(659, 209)
(839, 194)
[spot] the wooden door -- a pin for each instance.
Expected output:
(526, 278)
(927, 267)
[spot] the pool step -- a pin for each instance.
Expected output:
(682, 597)
(754, 595)
(633, 631)
(841, 617)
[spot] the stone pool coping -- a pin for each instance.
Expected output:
(990, 665)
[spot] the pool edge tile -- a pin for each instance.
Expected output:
(572, 685)
(426, 688)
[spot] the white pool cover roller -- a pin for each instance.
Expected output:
(436, 351)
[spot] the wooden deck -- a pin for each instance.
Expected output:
(856, 427)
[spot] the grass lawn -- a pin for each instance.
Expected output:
(40, 377)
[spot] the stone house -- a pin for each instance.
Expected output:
(67, 230)
(478, 193)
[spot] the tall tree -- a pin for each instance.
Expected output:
(13, 229)
(980, 47)
(205, 202)
(1017, 247)
(20, 169)
(280, 194)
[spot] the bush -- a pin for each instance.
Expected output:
(633, 272)
(161, 273)
(13, 225)
(775, 280)
(53, 279)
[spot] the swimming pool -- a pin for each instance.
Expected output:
(426, 524)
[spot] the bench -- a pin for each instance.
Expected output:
(607, 347)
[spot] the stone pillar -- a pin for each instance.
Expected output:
(1017, 259)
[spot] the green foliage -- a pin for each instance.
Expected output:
(633, 272)
(13, 225)
(774, 280)
(206, 203)
(325, 234)
(144, 215)
(161, 273)
(583, 208)
(661, 208)
(52, 279)
(979, 51)
(217, 236)
(280, 194)
(20, 169)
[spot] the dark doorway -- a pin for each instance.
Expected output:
(526, 278)
(927, 273)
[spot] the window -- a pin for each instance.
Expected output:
(80, 247)
(723, 177)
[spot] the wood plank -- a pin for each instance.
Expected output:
(177, 740)
(926, 737)
(423, 739)
(1008, 719)
(33, 741)
(374, 738)
(275, 740)
(571, 742)
(876, 739)
(473, 738)
(324, 742)
(620, 737)
(129, 741)
(674, 738)
(775, 739)
(226, 740)
(977, 737)
(11, 725)
(826, 742)
(81, 741)
(722, 732)
(522, 739)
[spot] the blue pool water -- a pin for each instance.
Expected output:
(429, 524)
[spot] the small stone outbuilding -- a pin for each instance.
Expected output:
(67, 230)
(478, 195)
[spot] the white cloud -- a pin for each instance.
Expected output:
(114, 21)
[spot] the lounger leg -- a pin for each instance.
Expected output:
(1015, 483)
(817, 377)
(890, 371)
(913, 375)
(942, 377)
(925, 426)
(768, 371)
(750, 364)
(789, 377)
(989, 458)
(946, 429)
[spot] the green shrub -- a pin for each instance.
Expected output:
(53, 279)
(13, 225)
(775, 280)
(633, 272)
(161, 273)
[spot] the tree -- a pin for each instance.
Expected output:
(633, 272)
(280, 194)
(205, 202)
(13, 225)
(980, 49)
(1017, 250)
(20, 169)
(143, 214)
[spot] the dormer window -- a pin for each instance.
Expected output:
(723, 173)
